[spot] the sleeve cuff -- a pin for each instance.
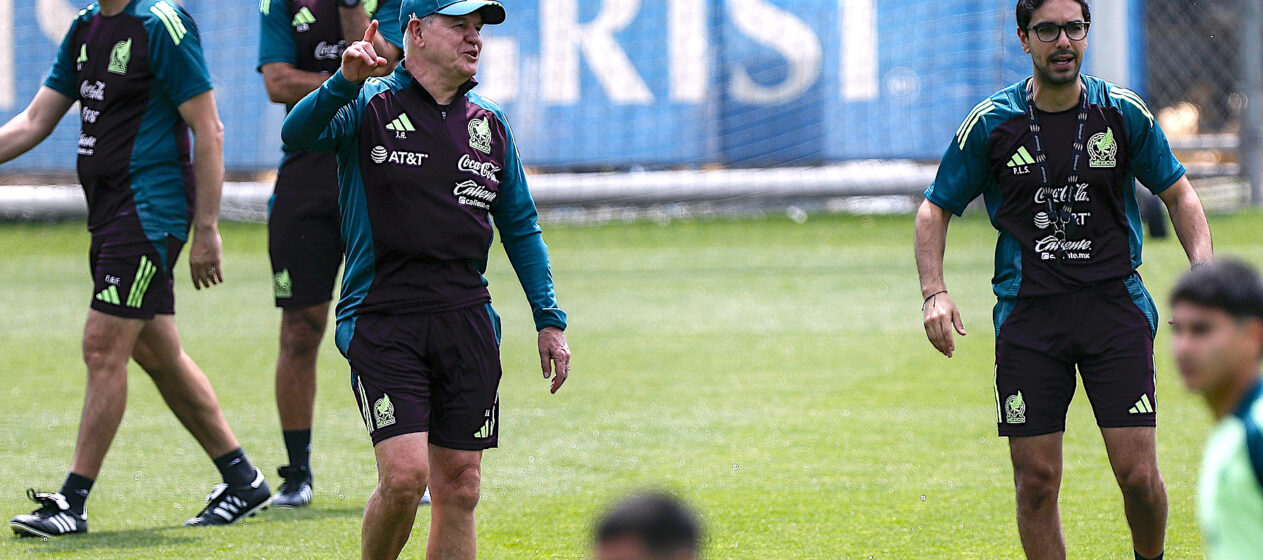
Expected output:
(341, 87)
(1175, 178)
(552, 317)
(937, 201)
(55, 86)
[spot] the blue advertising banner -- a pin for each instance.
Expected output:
(616, 83)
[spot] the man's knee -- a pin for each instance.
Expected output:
(1037, 484)
(102, 352)
(1141, 481)
(403, 484)
(461, 489)
(302, 329)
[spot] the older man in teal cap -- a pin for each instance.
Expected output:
(426, 168)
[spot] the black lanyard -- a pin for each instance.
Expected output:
(1059, 219)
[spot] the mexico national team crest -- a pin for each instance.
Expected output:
(120, 56)
(480, 135)
(1015, 409)
(384, 411)
(1102, 149)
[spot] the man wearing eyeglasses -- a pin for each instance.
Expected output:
(1055, 157)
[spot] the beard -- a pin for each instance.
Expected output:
(1047, 75)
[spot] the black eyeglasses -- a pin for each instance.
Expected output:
(1048, 31)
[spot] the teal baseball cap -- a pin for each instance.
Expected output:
(492, 11)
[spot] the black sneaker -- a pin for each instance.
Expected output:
(225, 504)
(296, 490)
(52, 519)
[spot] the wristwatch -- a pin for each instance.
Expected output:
(349, 3)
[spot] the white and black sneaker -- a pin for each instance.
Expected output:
(296, 488)
(54, 518)
(225, 504)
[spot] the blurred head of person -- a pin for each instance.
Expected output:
(648, 526)
(1054, 33)
(1217, 324)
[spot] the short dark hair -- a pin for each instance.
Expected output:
(1027, 7)
(664, 522)
(1228, 285)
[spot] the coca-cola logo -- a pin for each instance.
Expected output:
(94, 91)
(1077, 193)
(484, 169)
(327, 51)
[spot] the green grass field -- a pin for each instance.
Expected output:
(775, 374)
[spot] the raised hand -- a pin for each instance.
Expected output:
(360, 60)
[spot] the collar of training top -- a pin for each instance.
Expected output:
(405, 77)
(1247, 401)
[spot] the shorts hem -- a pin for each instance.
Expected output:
(466, 446)
(127, 313)
(382, 435)
(1029, 432)
(291, 303)
(1139, 423)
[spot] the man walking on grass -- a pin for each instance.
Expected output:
(424, 166)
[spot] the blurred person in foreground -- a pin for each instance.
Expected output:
(1217, 325)
(651, 526)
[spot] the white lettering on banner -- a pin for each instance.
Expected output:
(784, 33)
(562, 39)
(497, 68)
(484, 169)
(859, 49)
(8, 74)
(687, 48)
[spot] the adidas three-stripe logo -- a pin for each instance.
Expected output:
(109, 295)
(401, 124)
(170, 18)
(64, 522)
(1143, 406)
(140, 284)
(230, 507)
(488, 428)
(303, 17)
(1022, 157)
(144, 274)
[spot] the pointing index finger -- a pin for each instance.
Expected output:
(371, 32)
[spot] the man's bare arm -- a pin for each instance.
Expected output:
(30, 127)
(1189, 219)
(288, 85)
(205, 253)
(940, 316)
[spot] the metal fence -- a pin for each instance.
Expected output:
(1199, 69)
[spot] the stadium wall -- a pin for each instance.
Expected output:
(592, 84)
